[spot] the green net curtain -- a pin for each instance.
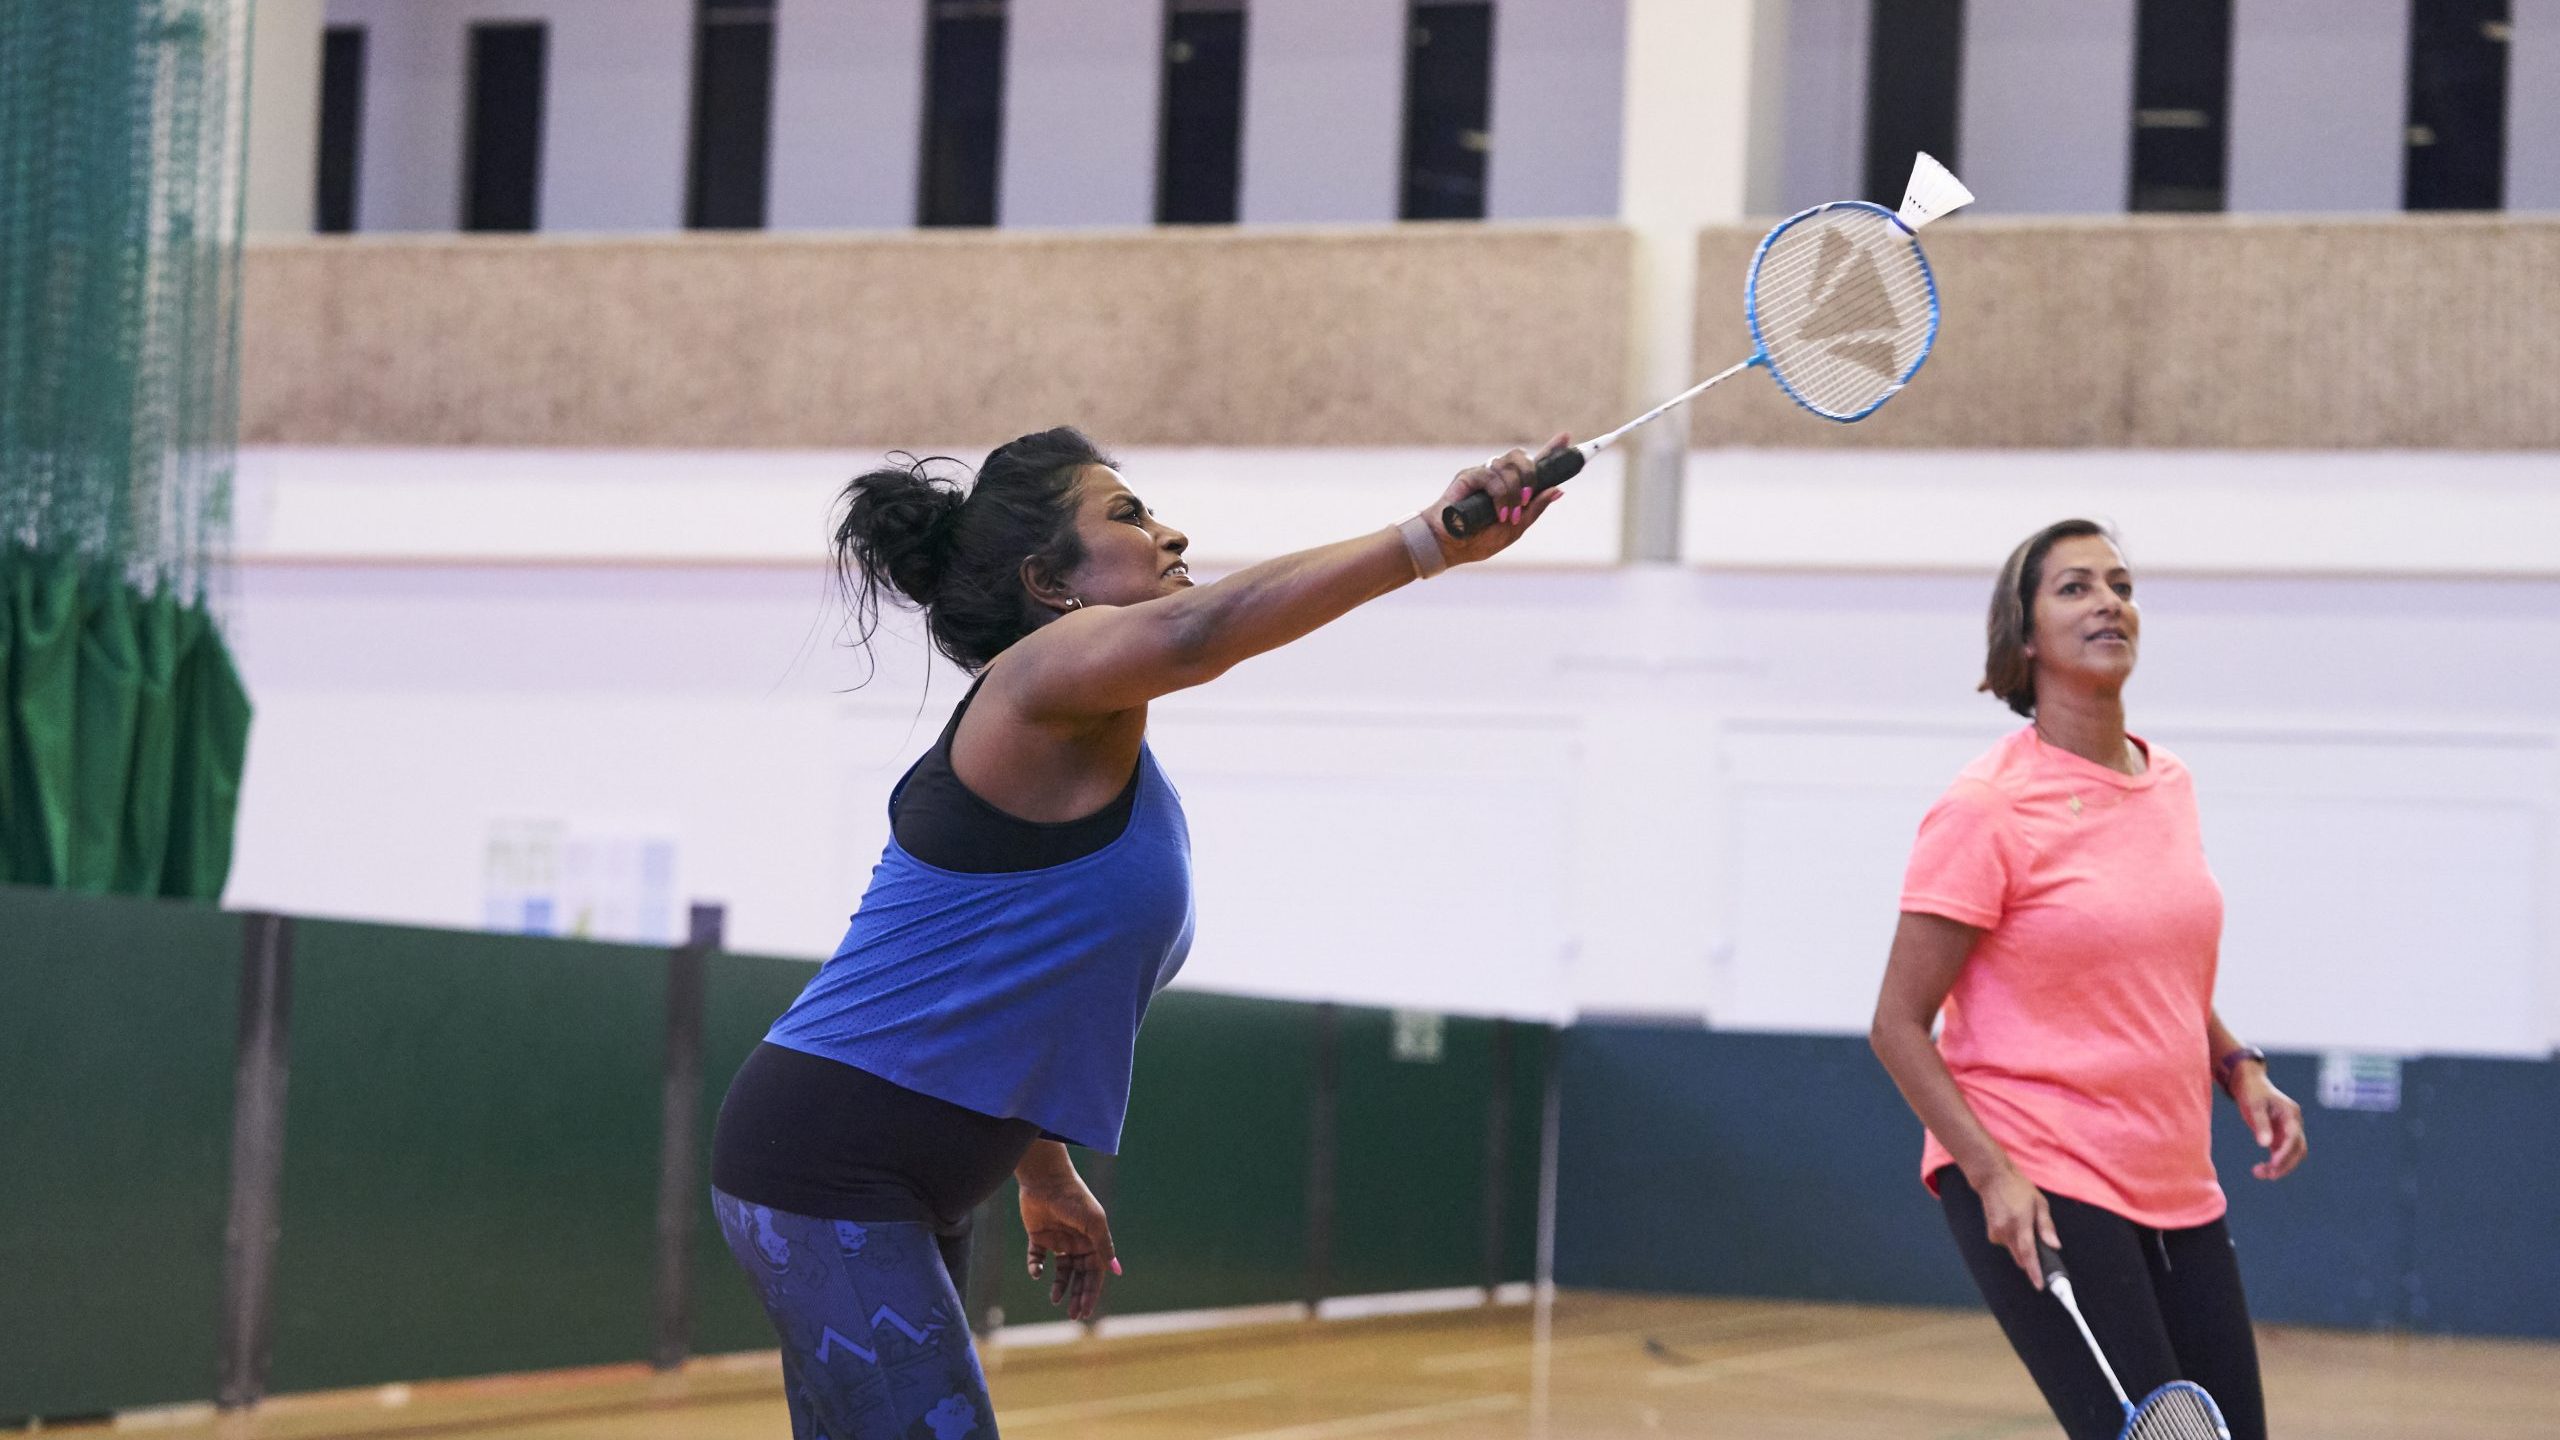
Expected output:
(122, 720)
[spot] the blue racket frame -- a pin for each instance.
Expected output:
(1751, 307)
(2133, 1413)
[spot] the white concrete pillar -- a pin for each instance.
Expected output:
(1704, 85)
(284, 115)
(2319, 104)
(848, 114)
(1557, 98)
(1323, 111)
(2045, 119)
(2533, 107)
(1082, 93)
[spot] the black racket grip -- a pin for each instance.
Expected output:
(1476, 511)
(2050, 1261)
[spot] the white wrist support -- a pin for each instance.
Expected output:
(1422, 547)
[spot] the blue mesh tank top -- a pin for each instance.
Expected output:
(1013, 994)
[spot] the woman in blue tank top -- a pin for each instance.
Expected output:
(981, 1012)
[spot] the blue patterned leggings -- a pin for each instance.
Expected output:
(875, 1344)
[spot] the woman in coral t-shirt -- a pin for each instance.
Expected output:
(2059, 911)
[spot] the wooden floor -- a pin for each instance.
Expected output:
(1616, 1366)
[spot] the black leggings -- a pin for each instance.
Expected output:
(2165, 1305)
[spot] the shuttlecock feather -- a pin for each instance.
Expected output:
(1934, 192)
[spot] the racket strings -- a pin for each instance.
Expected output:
(1843, 305)
(2176, 1412)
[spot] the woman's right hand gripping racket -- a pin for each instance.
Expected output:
(1505, 491)
(2179, 1410)
(1842, 308)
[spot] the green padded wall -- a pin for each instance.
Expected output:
(115, 1142)
(741, 996)
(1209, 1203)
(1208, 1198)
(1532, 1050)
(471, 1155)
(1409, 1168)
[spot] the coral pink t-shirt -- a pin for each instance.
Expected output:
(2079, 1027)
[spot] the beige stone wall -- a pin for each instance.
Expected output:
(2204, 332)
(1406, 335)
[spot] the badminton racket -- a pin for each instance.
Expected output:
(2179, 1410)
(1842, 309)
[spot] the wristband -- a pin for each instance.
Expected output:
(2229, 1065)
(1422, 547)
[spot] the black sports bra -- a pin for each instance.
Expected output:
(947, 825)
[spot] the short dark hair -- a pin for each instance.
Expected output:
(2007, 670)
(955, 549)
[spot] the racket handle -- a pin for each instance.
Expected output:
(2050, 1261)
(1476, 511)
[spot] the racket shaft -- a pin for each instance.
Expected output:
(2060, 1285)
(1476, 511)
(1667, 406)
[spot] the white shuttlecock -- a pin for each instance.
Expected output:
(1934, 192)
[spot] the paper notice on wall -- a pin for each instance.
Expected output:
(2353, 1081)
(1419, 1036)
(598, 882)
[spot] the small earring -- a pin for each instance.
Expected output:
(1075, 602)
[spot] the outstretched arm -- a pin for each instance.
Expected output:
(1105, 660)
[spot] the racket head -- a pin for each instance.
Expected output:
(1842, 306)
(2179, 1410)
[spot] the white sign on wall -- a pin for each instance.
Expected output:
(1420, 1036)
(552, 877)
(2353, 1081)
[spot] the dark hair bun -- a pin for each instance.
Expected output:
(898, 525)
(903, 529)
